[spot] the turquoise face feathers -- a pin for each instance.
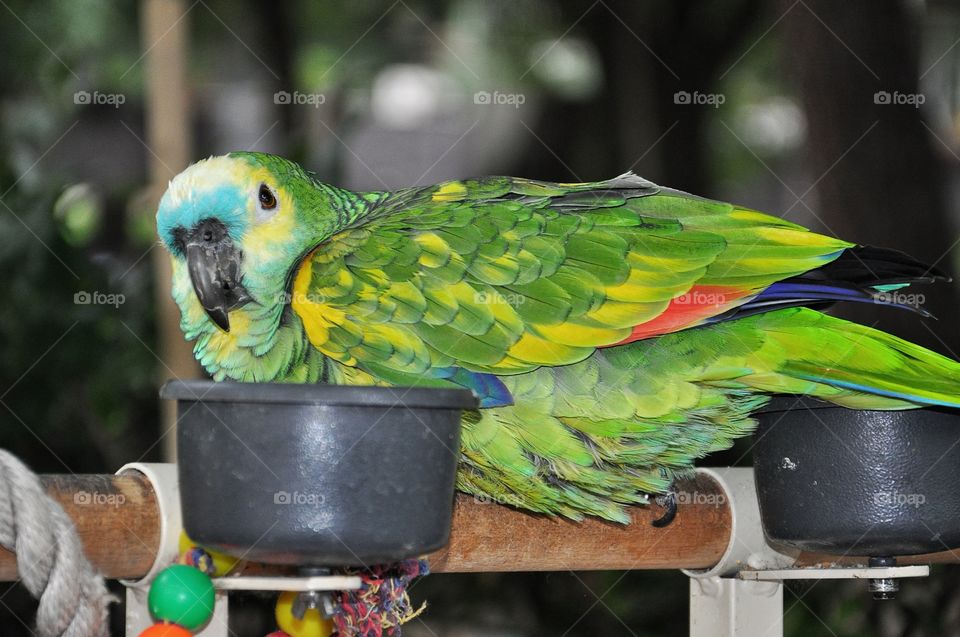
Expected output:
(185, 205)
(615, 331)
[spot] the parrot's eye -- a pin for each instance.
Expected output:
(268, 201)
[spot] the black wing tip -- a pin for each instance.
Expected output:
(894, 266)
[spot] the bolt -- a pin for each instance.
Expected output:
(883, 587)
(308, 600)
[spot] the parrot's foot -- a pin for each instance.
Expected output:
(668, 501)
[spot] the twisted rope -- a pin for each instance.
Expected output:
(382, 603)
(73, 596)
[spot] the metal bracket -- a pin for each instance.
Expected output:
(752, 602)
(297, 584)
(883, 578)
(742, 595)
(722, 605)
(863, 572)
(729, 607)
(163, 479)
(748, 545)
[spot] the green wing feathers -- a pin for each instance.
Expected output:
(504, 275)
(627, 420)
(538, 282)
(850, 364)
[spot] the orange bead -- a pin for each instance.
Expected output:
(166, 630)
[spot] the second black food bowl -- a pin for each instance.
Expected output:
(317, 474)
(858, 482)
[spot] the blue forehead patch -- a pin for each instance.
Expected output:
(226, 203)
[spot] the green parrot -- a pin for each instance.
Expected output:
(613, 331)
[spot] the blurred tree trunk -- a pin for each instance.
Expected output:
(648, 51)
(889, 188)
(278, 56)
(164, 35)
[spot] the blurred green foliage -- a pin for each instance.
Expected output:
(78, 387)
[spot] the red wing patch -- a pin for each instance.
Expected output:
(699, 303)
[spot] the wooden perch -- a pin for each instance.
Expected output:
(490, 538)
(117, 517)
(118, 521)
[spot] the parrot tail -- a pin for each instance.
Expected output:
(862, 274)
(806, 352)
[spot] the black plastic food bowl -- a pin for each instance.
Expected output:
(317, 474)
(857, 482)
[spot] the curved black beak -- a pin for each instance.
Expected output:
(214, 266)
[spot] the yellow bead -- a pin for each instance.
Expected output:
(313, 623)
(222, 563)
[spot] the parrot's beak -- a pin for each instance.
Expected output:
(214, 266)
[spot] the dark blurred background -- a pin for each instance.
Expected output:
(839, 115)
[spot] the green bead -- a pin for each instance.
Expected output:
(182, 595)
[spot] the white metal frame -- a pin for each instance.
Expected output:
(741, 596)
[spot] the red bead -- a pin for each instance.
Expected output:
(166, 630)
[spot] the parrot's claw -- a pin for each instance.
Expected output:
(668, 501)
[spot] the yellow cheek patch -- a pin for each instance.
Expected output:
(269, 236)
(450, 191)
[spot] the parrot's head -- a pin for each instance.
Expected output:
(236, 227)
